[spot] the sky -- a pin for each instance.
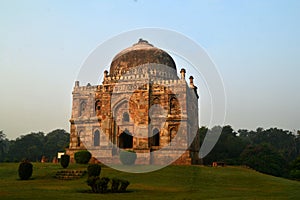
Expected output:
(254, 44)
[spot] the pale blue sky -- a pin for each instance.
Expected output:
(255, 45)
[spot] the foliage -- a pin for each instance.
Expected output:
(94, 170)
(227, 149)
(56, 141)
(34, 146)
(4, 144)
(115, 183)
(263, 158)
(128, 157)
(65, 160)
(91, 181)
(124, 185)
(29, 146)
(82, 157)
(295, 174)
(295, 169)
(25, 170)
(102, 184)
(119, 185)
(232, 147)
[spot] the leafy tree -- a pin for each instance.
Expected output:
(228, 148)
(35, 145)
(295, 169)
(29, 146)
(264, 158)
(4, 144)
(56, 141)
(283, 141)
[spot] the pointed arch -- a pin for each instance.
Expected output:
(172, 134)
(155, 137)
(173, 105)
(125, 117)
(82, 108)
(119, 104)
(125, 140)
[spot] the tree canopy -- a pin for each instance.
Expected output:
(33, 146)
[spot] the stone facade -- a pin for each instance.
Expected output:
(141, 105)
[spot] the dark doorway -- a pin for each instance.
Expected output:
(154, 139)
(125, 140)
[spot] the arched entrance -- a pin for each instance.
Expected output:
(154, 139)
(125, 140)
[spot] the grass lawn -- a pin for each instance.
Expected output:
(173, 182)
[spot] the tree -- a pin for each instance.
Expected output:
(282, 140)
(295, 169)
(29, 146)
(3, 146)
(264, 158)
(228, 148)
(55, 141)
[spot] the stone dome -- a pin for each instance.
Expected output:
(139, 54)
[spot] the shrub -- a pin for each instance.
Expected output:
(128, 157)
(25, 170)
(98, 185)
(124, 185)
(65, 160)
(91, 181)
(115, 185)
(102, 184)
(82, 157)
(94, 170)
(119, 185)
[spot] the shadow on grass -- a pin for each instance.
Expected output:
(108, 192)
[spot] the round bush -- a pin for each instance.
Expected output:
(65, 160)
(94, 170)
(128, 157)
(25, 170)
(82, 157)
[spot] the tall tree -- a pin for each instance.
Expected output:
(3, 146)
(29, 146)
(56, 141)
(228, 148)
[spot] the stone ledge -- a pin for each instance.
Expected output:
(69, 174)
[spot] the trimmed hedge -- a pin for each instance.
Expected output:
(94, 170)
(128, 157)
(91, 181)
(115, 183)
(65, 160)
(82, 157)
(25, 170)
(100, 185)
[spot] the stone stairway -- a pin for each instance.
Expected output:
(69, 174)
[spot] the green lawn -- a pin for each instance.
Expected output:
(173, 182)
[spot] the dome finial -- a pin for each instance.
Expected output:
(141, 40)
